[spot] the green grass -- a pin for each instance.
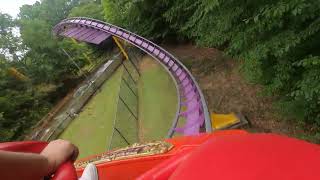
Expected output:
(91, 131)
(125, 121)
(157, 101)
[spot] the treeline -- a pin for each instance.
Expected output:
(277, 40)
(34, 71)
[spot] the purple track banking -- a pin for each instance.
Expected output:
(190, 95)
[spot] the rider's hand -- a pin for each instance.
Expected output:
(58, 152)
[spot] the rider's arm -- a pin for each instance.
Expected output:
(23, 165)
(35, 166)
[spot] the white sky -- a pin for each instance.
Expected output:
(12, 6)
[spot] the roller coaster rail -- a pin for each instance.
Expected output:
(189, 92)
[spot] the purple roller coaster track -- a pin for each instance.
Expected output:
(189, 94)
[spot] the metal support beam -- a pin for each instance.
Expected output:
(122, 136)
(120, 47)
(129, 87)
(135, 82)
(133, 64)
(128, 108)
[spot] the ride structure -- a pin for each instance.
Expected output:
(190, 95)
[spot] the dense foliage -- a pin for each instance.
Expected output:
(278, 40)
(34, 71)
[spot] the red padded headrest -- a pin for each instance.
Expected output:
(252, 157)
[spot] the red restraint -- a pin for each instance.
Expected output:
(252, 157)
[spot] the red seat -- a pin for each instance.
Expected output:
(252, 157)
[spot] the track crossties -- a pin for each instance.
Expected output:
(190, 96)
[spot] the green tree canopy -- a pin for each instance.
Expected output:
(90, 9)
(33, 67)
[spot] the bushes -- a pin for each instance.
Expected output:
(34, 72)
(144, 17)
(90, 9)
(279, 40)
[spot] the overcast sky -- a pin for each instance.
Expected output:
(12, 6)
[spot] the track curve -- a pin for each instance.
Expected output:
(191, 96)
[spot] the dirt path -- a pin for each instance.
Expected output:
(226, 91)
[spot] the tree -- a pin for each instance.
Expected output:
(33, 67)
(9, 43)
(90, 9)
